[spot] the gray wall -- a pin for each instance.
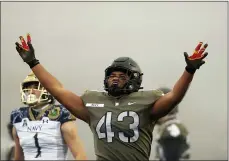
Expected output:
(84, 38)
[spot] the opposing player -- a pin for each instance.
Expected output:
(172, 140)
(43, 130)
(121, 119)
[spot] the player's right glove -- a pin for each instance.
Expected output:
(26, 51)
(196, 60)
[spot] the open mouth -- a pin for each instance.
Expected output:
(115, 82)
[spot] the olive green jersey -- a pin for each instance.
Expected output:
(122, 128)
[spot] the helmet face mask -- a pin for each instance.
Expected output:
(128, 67)
(32, 92)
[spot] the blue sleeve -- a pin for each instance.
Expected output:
(18, 114)
(14, 116)
(66, 116)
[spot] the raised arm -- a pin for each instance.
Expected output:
(70, 100)
(166, 103)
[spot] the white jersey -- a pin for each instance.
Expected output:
(41, 138)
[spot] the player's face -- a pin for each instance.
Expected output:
(33, 89)
(118, 78)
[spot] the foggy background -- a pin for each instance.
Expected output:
(76, 41)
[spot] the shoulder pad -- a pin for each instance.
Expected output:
(156, 93)
(17, 114)
(92, 96)
(92, 91)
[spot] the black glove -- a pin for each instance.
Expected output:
(196, 60)
(26, 51)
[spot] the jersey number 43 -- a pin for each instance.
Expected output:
(109, 134)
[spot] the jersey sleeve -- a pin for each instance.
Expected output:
(12, 117)
(16, 116)
(66, 116)
(157, 94)
(84, 96)
(90, 96)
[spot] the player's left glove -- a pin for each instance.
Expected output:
(196, 59)
(26, 51)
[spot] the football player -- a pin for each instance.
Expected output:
(121, 118)
(43, 130)
(172, 140)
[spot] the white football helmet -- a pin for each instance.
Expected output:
(26, 94)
